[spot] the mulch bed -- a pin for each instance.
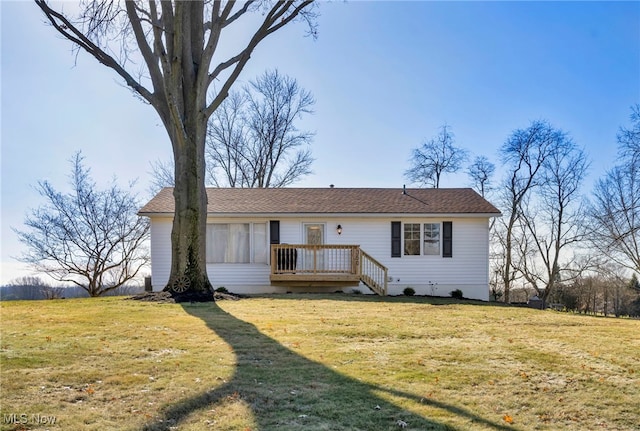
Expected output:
(172, 297)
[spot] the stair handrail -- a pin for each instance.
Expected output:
(373, 273)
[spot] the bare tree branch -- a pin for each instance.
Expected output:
(275, 19)
(69, 31)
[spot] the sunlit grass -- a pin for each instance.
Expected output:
(314, 362)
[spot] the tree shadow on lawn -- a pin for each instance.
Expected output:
(282, 389)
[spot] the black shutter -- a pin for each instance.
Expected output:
(274, 231)
(396, 239)
(447, 239)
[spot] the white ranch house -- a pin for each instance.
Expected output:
(376, 240)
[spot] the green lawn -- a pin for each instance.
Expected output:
(314, 362)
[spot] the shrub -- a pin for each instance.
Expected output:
(409, 291)
(457, 294)
(222, 289)
(356, 292)
(496, 294)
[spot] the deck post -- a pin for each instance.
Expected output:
(356, 261)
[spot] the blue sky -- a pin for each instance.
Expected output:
(385, 75)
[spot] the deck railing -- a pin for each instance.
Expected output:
(326, 261)
(314, 259)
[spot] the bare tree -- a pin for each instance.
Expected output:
(167, 52)
(615, 216)
(553, 219)
(481, 172)
(88, 237)
(524, 154)
(614, 210)
(253, 140)
(435, 157)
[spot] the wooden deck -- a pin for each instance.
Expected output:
(299, 265)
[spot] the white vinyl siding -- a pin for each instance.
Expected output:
(160, 252)
(467, 270)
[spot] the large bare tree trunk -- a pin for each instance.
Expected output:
(188, 235)
(183, 113)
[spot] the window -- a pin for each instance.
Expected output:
(314, 233)
(260, 243)
(411, 239)
(431, 239)
(427, 239)
(237, 243)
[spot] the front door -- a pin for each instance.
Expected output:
(314, 235)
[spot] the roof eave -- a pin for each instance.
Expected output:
(342, 215)
(155, 214)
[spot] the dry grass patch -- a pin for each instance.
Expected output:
(315, 362)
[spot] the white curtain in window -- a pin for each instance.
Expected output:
(238, 245)
(260, 243)
(217, 239)
(228, 243)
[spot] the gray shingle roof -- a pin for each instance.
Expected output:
(331, 201)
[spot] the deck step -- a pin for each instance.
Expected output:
(373, 285)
